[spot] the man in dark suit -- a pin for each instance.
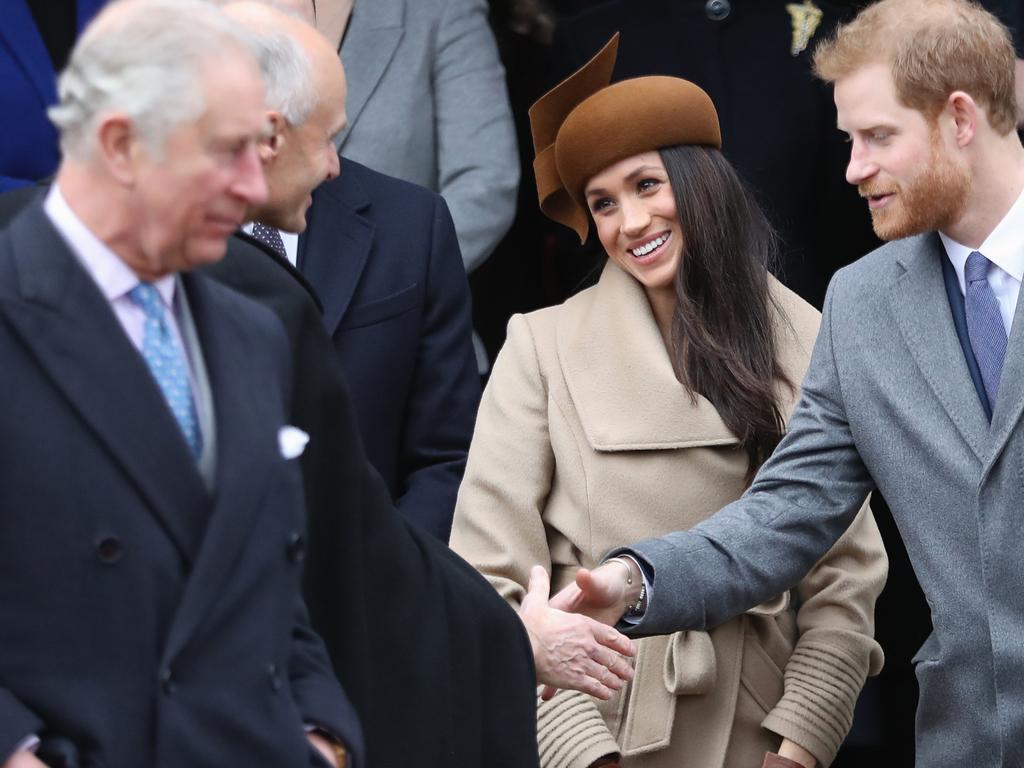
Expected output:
(383, 258)
(146, 622)
(436, 664)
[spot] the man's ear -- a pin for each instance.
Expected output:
(965, 114)
(273, 142)
(118, 147)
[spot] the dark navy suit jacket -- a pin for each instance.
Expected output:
(383, 258)
(28, 150)
(147, 621)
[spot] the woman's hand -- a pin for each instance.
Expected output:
(573, 651)
(791, 751)
(602, 593)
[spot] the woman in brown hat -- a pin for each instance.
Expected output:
(641, 406)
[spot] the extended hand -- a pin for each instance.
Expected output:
(601, 594)
(571, 651)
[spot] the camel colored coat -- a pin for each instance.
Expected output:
(585, 440)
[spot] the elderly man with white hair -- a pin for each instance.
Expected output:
(151, 515)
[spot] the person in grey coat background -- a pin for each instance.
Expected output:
(915, 387)
(427, 103)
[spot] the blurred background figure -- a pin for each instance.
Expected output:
(36, 37)
(427, 103)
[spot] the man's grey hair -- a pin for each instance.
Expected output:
(145, 59)
(286, 69)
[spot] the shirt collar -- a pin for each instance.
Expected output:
(1004, 247)
(114, 278)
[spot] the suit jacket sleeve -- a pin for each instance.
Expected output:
(477, 159)
(445, 391)
(801, 501)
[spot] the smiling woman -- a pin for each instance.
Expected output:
(642, 406)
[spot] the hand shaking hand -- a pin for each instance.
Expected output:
(572, 651)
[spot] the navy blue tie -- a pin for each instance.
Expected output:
(984, 324)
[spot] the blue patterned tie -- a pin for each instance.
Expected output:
(166, 360)
(984, 324)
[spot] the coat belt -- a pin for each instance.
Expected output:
(685, 664)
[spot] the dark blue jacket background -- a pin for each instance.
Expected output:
(28, 85)
(382, 256)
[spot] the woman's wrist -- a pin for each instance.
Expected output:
(793, 751)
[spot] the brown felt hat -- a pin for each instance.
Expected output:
(583, 125)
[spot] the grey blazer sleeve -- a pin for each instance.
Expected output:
(477, 159)
(799, 504)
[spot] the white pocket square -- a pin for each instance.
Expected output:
(292, 441)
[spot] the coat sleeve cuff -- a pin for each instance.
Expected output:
(571, 732)
(821, 688)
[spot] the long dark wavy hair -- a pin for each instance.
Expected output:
(723, 343)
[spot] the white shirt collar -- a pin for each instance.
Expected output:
(1004, 247)
(114, 278)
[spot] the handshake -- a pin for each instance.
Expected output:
(575, 645)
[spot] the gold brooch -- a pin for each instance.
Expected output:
(806, 18)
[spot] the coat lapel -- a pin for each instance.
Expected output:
(69, 327)
(334, 249)
(367, 51)
(918, 300)
(19, 34)
(242, 448)
(620, 377)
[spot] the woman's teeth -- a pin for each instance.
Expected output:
(643, 250)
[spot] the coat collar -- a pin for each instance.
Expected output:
(283, 263)
(918, 300)
(336, 244)
(375, 30)
(620, 377)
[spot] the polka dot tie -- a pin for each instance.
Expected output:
(166, 361)
(268, 236)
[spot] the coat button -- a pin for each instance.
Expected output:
(109, 549)
(275, 677)
(296, 547)
(167, 684)
(717, 10)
